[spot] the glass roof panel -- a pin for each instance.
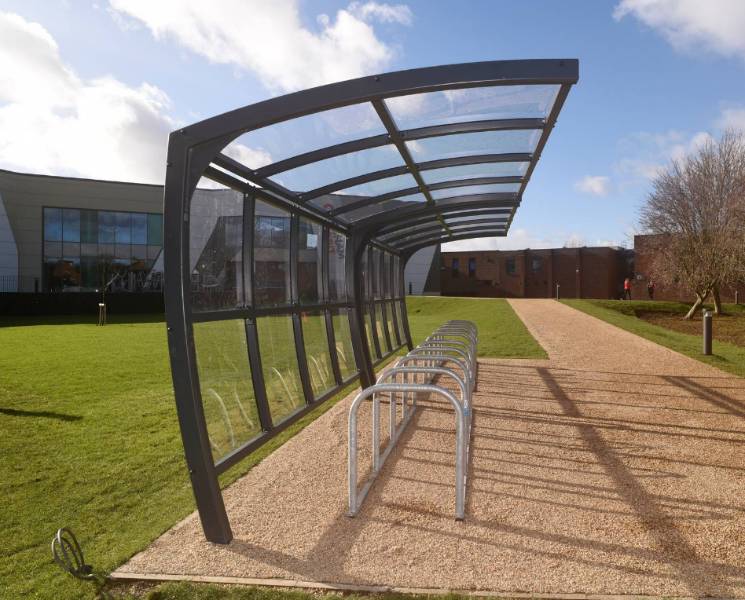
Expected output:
(337, 168)
(470, 144)
(455, 220)
(276, 142)
(473, 104)
(504, 169)
(491, 188)
(374, 209)
(381, 186)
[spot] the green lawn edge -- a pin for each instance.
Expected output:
(727, 357)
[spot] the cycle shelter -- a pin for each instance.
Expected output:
(288, 225)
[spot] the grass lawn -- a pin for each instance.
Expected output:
(89, 439)
(661, 322)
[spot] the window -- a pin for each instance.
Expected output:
(88, 250)
(536, 263)
(510, 265)
(455, 267)
(271, 255)
(472, 267)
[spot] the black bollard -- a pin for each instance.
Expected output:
(707, 332)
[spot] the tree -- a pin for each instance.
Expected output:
(697, 210)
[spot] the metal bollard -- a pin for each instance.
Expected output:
(557, 291)
(707, 332)
(737, 297)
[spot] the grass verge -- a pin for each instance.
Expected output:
(89, 437)
(726, 356)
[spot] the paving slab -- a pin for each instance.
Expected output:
(615, 467)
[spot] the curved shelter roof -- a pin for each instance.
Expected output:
(288, 283)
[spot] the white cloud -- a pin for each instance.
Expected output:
(596, 185)
(385, 13)
(270, 39)
(645, 154)
(732, 117)
(689, 25)
(52, 121)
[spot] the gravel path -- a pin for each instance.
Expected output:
(615, 467)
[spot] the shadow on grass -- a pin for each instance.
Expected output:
(86, 319)
(45, 414)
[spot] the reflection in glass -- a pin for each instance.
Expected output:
(379, 207)
(380, 186)
(467, 190)
(399, 319)
(279, 366)
(53, 224)
(471, 144)
(317, 353)
(337, 266)
(215, 249)
(226, 386)
(70, 225)
(396, 277)
(391, 325)
(123, 228)
(139, 228)
(155, 230)
(89, 226)
(386, 275)
(493, 169)
(375, 274)
(106, 227)
(374, 354)
(473, 104)
(271, 255)
(344, 350)
(310, 283)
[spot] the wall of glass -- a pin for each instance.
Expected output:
(271, 307)
(89, 250)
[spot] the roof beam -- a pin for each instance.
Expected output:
(462, 235)
(453, 226)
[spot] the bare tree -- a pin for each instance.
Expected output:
(697, 209)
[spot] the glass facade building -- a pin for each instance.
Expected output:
(89, 250)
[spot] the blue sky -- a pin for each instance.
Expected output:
(656, 78)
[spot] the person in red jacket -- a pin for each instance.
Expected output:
(627, 289)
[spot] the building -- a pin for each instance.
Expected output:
(67, 234)
(578, 272)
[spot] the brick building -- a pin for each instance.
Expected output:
(644, 250)
(580, 272)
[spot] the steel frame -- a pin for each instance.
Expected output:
(199, 151)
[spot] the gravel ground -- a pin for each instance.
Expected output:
(614, 467)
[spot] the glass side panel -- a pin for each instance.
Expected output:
(271, 255)
(338, 168)
(399, 318)
(123, 228)
(380, 325)
(343, 338)
(337, 266)
(53, 224)
(471, 144)
(375, 274)
(492, 188)
(473, 104)
(364, 269)
(226, 386)
(390, 324)
(70, 225)
(379, 207)
(310, 284)
(215, 249)
(279, 366)
(317, 352)
(368, 333)
(387, 290)
(139, 228)
(296, 136)
(396, 278)
(456, 172)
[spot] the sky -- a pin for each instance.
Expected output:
(92, 89)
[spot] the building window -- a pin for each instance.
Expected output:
(472, 267)
(510, 265)
(455, 267)
(89, 250)
(536, 264)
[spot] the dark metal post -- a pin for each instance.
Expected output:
(355, 252)
(737, 297)
(707, 332)
(410, 288)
